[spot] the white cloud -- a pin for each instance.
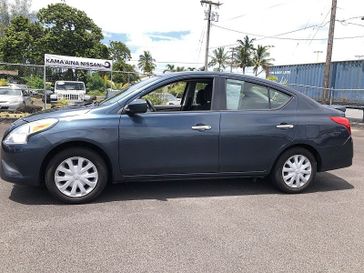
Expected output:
(137, 18)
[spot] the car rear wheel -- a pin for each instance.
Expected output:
(295, 170)
(76, 175)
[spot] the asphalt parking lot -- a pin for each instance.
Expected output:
(194, 226)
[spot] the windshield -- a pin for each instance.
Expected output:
(70, 86)
(126, 92)
(10, 92)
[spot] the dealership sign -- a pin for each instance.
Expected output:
(77, 62)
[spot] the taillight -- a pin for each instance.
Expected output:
(342, 121)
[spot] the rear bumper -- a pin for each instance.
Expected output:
(336, 157)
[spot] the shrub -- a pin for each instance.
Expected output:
(95, 82)
(3, 82)
(34, 82)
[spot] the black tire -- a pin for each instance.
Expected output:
(276, 174)
(92, 156)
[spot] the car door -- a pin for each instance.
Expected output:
(169, 142)
(258, 122)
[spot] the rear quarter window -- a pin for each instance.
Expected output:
(278, 99)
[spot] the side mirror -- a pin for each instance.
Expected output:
(137, 106)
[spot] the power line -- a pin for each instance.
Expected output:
(286, 38)
(348, 23)
(200, 43)
(171, 62)
(244, 14)
(317, 30)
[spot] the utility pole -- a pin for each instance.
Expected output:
(330, 41)
(232, 59)
(209, 17)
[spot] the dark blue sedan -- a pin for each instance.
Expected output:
(218, 126)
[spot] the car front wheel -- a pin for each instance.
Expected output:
(295, 170)
(76, 175)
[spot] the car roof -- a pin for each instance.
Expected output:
(10, 87)
(225, 75)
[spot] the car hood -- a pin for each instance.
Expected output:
(58, 113)
(9, 97)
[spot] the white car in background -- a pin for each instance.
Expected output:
(13, 98)
(169, 99)
(72, 91)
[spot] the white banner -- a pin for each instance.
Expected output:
(77, 62)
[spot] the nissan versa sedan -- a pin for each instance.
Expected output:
(226, 125)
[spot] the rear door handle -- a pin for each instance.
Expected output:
(201, 127)
(285, 126)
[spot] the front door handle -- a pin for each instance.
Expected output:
(201, 127)
(285, 126)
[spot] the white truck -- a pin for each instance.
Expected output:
(72, 91)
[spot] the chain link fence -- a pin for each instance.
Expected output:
(99, 84)
(342, 96)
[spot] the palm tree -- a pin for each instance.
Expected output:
(180, 68)
(146, 63)
(243, 57)
(261, 59)
(169, 68)
(220, 58)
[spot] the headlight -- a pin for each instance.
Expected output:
(20, 135)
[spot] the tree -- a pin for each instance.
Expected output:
(4, 16)
(261, 59)
(69, 31)
(22, 42)
(125, 73)
(243, 57)
(8, 12)
(22, 8)
(146, 63)
(95, 82)
(169, 68)
(220, 58)
(119, 51)
(180, 69)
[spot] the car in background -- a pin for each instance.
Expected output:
(226, 126)
(72, 91)
(169, 99)
(13, 98)
(46, 95)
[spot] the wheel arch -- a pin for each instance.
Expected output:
(308, 147)
(70, 144)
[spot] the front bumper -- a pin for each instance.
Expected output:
(10, 106)
(21, 164)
